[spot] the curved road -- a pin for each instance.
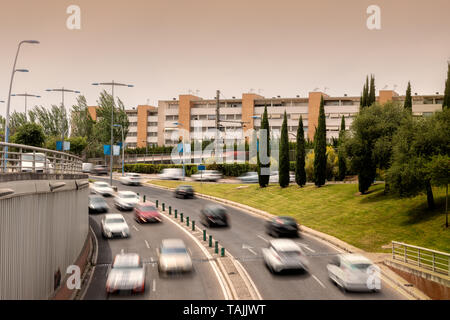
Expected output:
(244, 240)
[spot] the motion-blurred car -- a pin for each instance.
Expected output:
(131, 179)
(126, 200)
(127, 273)
(171, 174)
(214, 215)
(41, 163)
(114, 225)
(102, 188)
(207, 175)
(87, 167)
(352, 272)
(249, 177)
(273, 177)
(282, 226)
(146, 212)
(100, 170)
(97, 204)
(184, 191)
(284, 254)
(173, 257)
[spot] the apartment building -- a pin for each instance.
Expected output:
(162, 125)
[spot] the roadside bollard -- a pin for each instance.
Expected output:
(204, 235)
(144, 197)
(176, 213)
(210, 241)
(187, 221)
(170, 209)
(216, 248)
(193, 225)
(164, 206)
(181, 217)
(156, 203)
(222, 252)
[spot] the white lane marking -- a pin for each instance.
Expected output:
(244, 246)
(317, 279)
(190, 252)
(225, 289)
(154, 285)
(135, 228)
(306, 247)
(263, 238)
(146, 243)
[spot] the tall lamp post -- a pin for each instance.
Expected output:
(26, 95)
(177, 124)
(112, 84)
(62, 90)
(123, 148)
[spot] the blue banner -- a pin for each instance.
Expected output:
(106, 149)
(59, 145)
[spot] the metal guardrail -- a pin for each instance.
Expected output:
(18, 158)
(433, 260)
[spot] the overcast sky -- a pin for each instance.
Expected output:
(168, 47)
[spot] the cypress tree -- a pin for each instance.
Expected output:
(320, 148)
(264, 179)
(408, 98)
(446, 103)
(372, 97)
(284, 155)
(300, 173)
(341, 154)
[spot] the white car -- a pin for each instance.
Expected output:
(114, 225)
(249, 177)
(207, 175)
(173, 257)
(284, 254)
(41, 163)
(102, 188)
(354, 272)
(126, 273)
(131, 179)
(171, 174)
(126, 200)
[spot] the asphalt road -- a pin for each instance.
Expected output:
(245, 239)
(202, 284)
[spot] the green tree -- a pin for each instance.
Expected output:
(30, 134)
(342, 163)
(284, 155)
(263, 179)
(82, 123)
(439, 172)
(408, 98)
(2, 128)
(320, 143)
(415, 162)
(16, 120)
(372, 97)
(77, 145)
(300, 173)
(54, 120)
(446, 103)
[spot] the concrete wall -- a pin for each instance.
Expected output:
(41, 231)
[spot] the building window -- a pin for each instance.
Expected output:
(230, 116)
(211, 117)
(171, 118)
(132, 134)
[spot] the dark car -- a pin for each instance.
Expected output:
(214, 215)
(99, 170)
(97, 204)
(146, 212)
(282, 226)
(184, 191)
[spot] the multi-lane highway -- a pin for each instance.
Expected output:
(244, 240)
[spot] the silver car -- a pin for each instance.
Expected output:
(207, 175)
(126, 200)
(126, 273)
(131, 179)
(284, 254)
(102, 188)
(114, 225)
(173, 257)
(354, 272)
(249, 177)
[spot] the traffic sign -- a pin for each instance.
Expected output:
(201, 167)
(106, 149)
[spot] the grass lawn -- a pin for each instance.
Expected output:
(367, 222)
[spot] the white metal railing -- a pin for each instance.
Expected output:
(17, 158)
(433, 260)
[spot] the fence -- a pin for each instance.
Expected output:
(435, 261)
(16, 158)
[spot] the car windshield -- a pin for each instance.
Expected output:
(360, 266)
(147, 208)
(101, 184)
(97, 200)
(114, 220)
(29, 157)
(128, 196)
(127, 262)
(218, 211)
(173, 250)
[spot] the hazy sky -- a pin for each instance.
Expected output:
(167, 47)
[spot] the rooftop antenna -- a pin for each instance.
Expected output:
(148, 101)
(385, 87)
(315, 89)
(251, 90)
(395, 86)
(325, 89)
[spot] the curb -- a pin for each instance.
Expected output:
(314, 233)
(90, 268)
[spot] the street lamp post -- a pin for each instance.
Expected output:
(14, 70)
(177, 124)
(26, 95)
(123, 148)
(112, 84)
(62, 90)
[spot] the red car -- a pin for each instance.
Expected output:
(146, 212)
